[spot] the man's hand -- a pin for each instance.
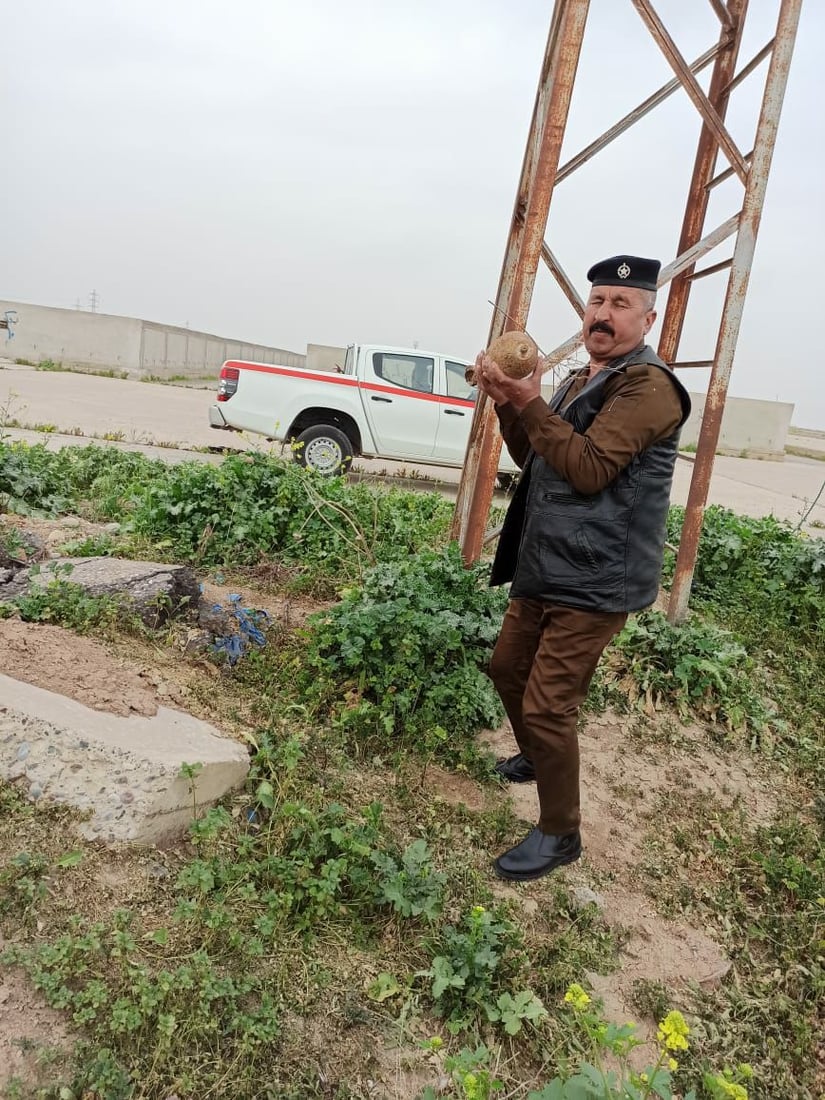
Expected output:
(492, 380)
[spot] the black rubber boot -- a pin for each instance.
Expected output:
(516, 769)
(538, 854)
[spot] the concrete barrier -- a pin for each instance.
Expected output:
(73, 337)
(750, 428)
(124, 773)
(102, 341)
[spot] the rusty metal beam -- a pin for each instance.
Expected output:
(722, 12)
(698, 196)
(562, 278)
(743, 254)
(687, 258)
(703, 104)
(522, 256)
(726, 174)
(625, 123)
(723, 265)
(745, 72)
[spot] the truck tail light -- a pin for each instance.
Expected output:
(228, 382)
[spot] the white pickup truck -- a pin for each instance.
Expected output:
(397, 403)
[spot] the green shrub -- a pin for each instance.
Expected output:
(762, 569)
(100, 482)
(766, 581)
(251, 505)
(401, 659)
(697, 668)
(66, 604)
(473, 972)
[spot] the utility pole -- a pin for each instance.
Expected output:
(541, 174)
(94, 301)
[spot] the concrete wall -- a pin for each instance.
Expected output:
(167, 350)
(750, 428)
(76, 338)
(72, 337)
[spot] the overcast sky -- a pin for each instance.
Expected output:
(331, 171)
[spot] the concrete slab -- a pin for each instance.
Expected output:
(154, 590)
(123, 771)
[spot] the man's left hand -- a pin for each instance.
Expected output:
(518, 392)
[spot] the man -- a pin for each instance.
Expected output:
(583, 539)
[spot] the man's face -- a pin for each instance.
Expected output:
(616, 318)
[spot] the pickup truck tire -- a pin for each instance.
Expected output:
(324, 449)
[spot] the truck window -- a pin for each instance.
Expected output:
(457, 386)
(349, 362)
(413, 372)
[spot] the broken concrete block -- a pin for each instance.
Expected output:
(124, 771)
(155, 590)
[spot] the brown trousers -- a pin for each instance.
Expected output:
(542, 666)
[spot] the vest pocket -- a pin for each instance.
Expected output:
(569, 557)
(588, 554)
(579, 500)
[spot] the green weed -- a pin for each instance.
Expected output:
(696, 668)
(401, 659)
(468, 1071)
(66, 604)
(766, 581)
(471, 976)
(90, 546)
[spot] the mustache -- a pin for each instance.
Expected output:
(601, 326)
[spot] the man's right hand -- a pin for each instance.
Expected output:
(518, 392)
(485, 382)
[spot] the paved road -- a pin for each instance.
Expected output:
(141, 414)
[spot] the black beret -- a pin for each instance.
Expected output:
(625, 271)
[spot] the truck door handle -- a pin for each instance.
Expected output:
(386, 400)
(453, 412)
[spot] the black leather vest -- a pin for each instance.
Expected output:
(602, 552)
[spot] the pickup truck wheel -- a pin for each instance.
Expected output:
(324, 449)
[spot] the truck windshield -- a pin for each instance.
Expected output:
(349, 362)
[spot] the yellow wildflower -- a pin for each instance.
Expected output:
(672, 1065)
(673, 1032)
(576, 997)
(436, 1043)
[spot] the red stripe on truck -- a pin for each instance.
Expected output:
(345, 380)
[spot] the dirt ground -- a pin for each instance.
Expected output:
(620, 784)
(623, 781)
(27, 1025)
(76, 667)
